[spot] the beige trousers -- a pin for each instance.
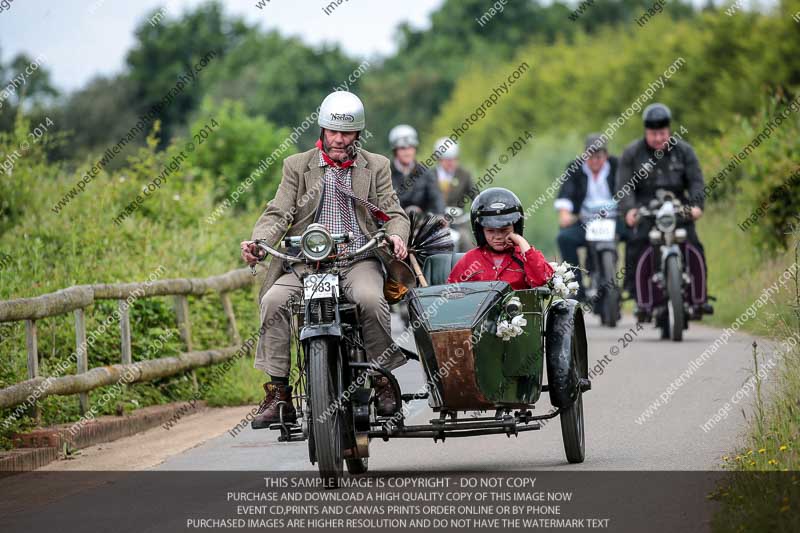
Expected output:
(362, 284)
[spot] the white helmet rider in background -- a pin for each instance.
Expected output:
(454, 181)
(415, 189)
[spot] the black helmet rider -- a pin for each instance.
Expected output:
(656, 116)
(496, 207)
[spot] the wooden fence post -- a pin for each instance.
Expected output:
(81, 353)
(125, 332)
(33, 360)
(185, 327)
(233, 331)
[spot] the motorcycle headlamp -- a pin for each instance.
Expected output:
(666, 222)
(316, 243)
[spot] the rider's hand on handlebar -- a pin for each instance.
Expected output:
(696, 212)
(399, 246)
(631, 216)
(250, 252)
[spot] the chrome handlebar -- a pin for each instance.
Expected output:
(376, 241)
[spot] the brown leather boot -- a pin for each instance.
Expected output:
(384, 396)
(270, 408)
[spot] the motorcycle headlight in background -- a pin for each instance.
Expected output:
(680, 235)
(666, 222)
(316, 243)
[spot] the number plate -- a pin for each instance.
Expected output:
(601, 230)
(320, 286)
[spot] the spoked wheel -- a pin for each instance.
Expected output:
(572, 431)
(674, 321)
(610, 307)
(325, 384)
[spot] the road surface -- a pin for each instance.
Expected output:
(617, 438)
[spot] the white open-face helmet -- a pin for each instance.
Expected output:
(403, 136)
(342, 111)
(446, 148)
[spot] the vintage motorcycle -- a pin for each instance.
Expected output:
(670, 275)
(467, 365)
(600, 223)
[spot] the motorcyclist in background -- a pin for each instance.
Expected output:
(453, 179)
(658, 161)
(455, 182)
(414, 186)
(587, 183)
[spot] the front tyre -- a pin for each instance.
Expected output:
(324, 383)
(572, 429)
(610, 304)
(675, 312)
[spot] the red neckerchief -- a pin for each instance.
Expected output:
(330, 161)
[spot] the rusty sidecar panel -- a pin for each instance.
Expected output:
(468, 367)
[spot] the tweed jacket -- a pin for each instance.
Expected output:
(299, 196)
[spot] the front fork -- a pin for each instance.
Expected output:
(668, 251)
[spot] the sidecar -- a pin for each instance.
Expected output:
(468, 367)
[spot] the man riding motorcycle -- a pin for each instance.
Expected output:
(588, 183)
(454, 181)
(658, 161)
(414, 186)
(455, 184)
(347, 189)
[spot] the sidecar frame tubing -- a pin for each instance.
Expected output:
(441, 430)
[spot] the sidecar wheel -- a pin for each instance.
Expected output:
(358, 466)
(324, 385)
(572, 431)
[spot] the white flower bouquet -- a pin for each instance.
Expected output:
(563, 283)
(509, 327)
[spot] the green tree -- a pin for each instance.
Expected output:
(170, 49)
(281, 79)
(235, 149)
(97, 116)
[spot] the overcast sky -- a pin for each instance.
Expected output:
(80, 39)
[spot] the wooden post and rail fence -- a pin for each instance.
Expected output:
(76, 299)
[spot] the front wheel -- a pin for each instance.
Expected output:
(324, 383)
(572, 429)
(610, 306)
(675, 313)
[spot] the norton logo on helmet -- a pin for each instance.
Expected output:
(342, 111)
(343, 117)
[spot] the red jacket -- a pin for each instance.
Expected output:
(523, 271)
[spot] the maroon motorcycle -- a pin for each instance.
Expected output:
(670, 274)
